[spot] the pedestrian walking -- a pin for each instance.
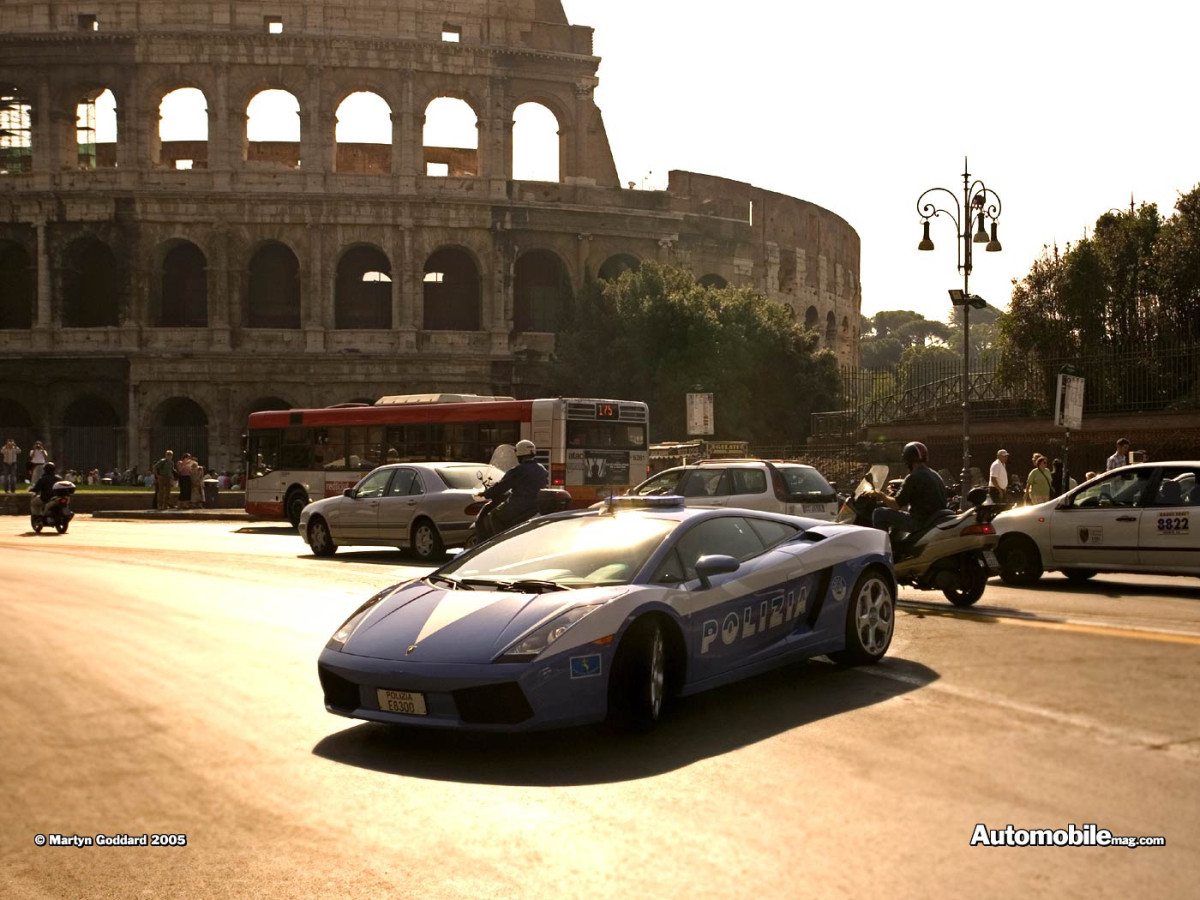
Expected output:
(9, 456)
(1120, 458)
(163, 471)
(1039, 485)
(998, 477)
(38, 457)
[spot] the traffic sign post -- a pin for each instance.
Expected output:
(700, 415)
(1068, 412)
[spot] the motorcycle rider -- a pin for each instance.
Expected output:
(42, 489)
(518, 489)
(923, 492)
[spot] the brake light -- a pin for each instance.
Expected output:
(474, 508)
(558, 474)
(984, 528)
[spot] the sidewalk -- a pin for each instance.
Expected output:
(179, 515)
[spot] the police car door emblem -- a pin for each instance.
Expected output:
(1083, 535)
(839, 588)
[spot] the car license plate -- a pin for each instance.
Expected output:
(993, 564)
(402, 702)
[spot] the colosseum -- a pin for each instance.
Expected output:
(157, 284)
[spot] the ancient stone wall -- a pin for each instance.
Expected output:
(160, 286)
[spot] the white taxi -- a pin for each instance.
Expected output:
(1139, 518)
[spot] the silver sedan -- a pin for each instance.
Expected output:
(423, 507)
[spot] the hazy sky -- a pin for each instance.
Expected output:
(1064, 109)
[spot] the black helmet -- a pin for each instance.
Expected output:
(915, 452)
(48, 468)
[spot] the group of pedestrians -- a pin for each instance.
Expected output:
(1046, 478)
(36, 461)
(187, 472)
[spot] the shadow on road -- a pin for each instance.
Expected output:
(1099, 587)
(375, 557)
(267, 529)
(699, 727)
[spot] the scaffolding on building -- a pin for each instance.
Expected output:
(16, 145)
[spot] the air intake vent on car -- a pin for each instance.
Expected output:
(493, 704)
(339, 693)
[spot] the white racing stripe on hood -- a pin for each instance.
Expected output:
(455, 606)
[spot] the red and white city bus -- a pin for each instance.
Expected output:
(590, 447)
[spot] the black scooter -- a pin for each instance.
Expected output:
(56, 512)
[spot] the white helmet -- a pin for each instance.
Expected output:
(525, 448)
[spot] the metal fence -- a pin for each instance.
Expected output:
(1150, 378)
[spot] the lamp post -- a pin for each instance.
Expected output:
(981, 204)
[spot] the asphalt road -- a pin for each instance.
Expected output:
(160, 678)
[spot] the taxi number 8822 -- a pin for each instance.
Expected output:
(1172, 524)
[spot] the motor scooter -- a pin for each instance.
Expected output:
(56, 512)
(954, 553)
(550, 500)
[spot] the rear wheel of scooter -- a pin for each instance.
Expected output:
(37, 524)
(1020, 561)
(870, 620)
(61, 527)
(974, 577)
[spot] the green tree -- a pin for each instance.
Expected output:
(888, 334)
(655, 334)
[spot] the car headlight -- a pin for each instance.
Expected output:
(351, 624)
(544, 635)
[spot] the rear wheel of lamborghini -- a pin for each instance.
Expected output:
(870, 620)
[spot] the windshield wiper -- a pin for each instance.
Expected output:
(455, 585)
(528, 586)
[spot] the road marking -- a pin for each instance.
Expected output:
(1104, 629)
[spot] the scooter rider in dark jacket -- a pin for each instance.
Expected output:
(518, 489)
(44, 487)
(922, 492)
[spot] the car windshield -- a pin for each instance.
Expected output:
(662, 483)
(467, 477)
(581, 551)
(806, 481)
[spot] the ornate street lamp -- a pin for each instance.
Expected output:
(979, 205)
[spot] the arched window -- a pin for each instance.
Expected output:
(363, 296)
(274, 296)
(713, 280)
(540, 290)
(96, 130)
(830, 329)
(183, 298)
(363, 135)
(180, 424)
(614, 266)
(92, 437)
(273, 129)
(452, 292)
(183, 129)
(17, 284)
(451, 138)
(90, 286)
(16, 131)
(535, 143)
(810, 318)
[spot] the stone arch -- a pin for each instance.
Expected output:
(96, 129)
(263, 404)
(273, 129)
(181, 296)
(617, 264)
(183, 129)
(830, 329)
(17, 423)
(452, 294)
(92, 436)
(179, 424)
(541, 289)
(362, 134)
(810, 318)
(536, 143)
(451, 141)
(18, 287)
(273, 293)
(16, 131)
(363, 291)
(713, 280)
(90, 285)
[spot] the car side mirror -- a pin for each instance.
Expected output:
(714, 564)
(348, 492)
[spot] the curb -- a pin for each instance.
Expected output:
(179, 515)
